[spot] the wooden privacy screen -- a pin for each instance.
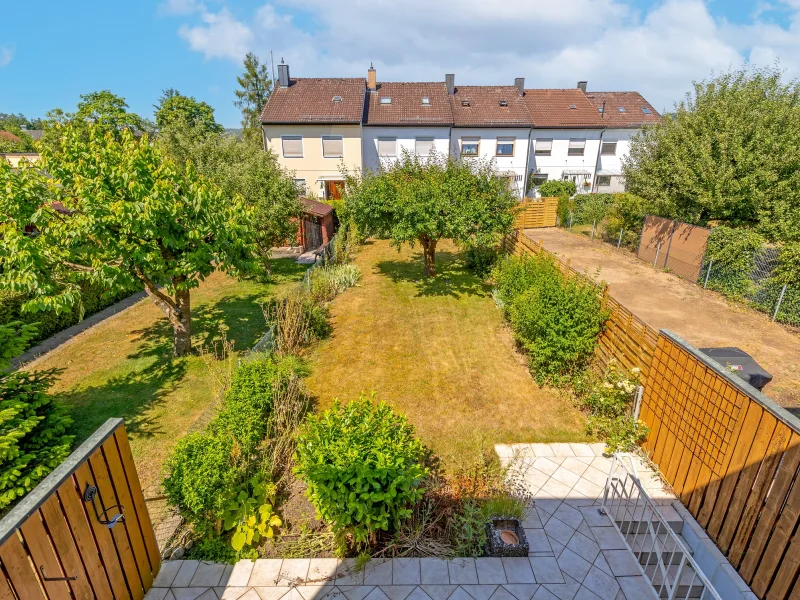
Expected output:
(540, 212)
(732, 456)
(673, 245)
(52, 545)
(626, 338)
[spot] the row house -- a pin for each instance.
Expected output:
(319, 127)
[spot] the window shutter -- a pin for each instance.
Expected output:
(609, 148)
(544, 146)
(387, 147)
(423, 146)
(292, 146)
(577, 144)
(332, 147)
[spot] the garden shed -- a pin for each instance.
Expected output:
(316, 224)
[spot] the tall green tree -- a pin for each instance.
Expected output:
(729, 154)
(115, 211)
(423, 201)
(254, 88)
(175, 109)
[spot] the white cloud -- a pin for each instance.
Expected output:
(7, 52)
(553, 44)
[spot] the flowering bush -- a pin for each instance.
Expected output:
(608, 401)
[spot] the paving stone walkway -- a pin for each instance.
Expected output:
(575, 552)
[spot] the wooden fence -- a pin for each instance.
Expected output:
(57, 544)
(539, 212)
(732, 456)
(626, 338)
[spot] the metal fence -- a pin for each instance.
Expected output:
(756, 285)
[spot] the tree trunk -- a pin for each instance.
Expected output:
(429, 252)
(182, 324)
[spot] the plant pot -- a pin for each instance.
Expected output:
(506, 537)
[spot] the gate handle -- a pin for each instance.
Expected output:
(89, 496)
(46, 578)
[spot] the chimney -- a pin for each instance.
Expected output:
(520, 83)
(582, 86)
(283, 75)
(372, 78)
(450, 80)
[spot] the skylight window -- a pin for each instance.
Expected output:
(426, 101)
(386, 100)
(621, 108)
(337, 98)
(600, 109)
(647, 111)
(465, 103)
(573, 107)
(503, 102)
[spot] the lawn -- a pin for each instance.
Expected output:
(439, 351)
(123, 367)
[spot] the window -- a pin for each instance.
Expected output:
(387, 146)
(470, 146)
(647, 111)
(600, 109)
(603, 180)
(465, 103)
(300, 186)
(538, 178)
(423, 146)
(503, 102)
(608, 148)
(573, 107)
(543, 147)
(621, 108)
(426, 101)
(505, 146)
(337, 98)
(386, 100)
(576, 147)
(332, 146)
(292, 146)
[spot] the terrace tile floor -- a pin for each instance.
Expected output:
(575, 552)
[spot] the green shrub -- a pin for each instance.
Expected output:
(250, 513)
(296, 321)
(33, 428)
(325, 283)
(362, 466)
(202, 474)
(468, 530)
(481, 259)
(556, 319)
(591, 208)
(556, 187)
(212, 549)
(734, 253)
(627, 212)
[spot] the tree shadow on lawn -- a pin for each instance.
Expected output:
(156, 373)
(452, 276)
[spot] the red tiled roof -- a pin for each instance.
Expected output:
(484, 109)
(552, 108)
(406, 107)
(310, 100)
(318, 209)
(7, 135)
(631, 102)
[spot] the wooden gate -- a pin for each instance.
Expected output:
(673, 245)
(540, 212)
(63, 542)
(732, 456)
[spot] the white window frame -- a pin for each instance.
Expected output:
(603, 177)
(386, 139)
(543, 152)
(331, 137)
(424, 138)
(293, 137)
(609, 142)
(506, 140)
(469, 140)
(539, 175)
(582, 148)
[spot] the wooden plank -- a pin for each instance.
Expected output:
(777, 495)
(715, 514)
(65, 549)
(72, 505)
(118, 478)
(119, 532)
(151, 544)
(20, 570)
(786, 577)
(6, 593)
(105, 540)
(755, 503)
(747, 478)
(44, 557)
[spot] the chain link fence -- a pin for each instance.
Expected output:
(753, 281)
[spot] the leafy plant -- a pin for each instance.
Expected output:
(363, 468)
(251, 514)
(212, 549)
(481, 259)
(468, 530)
(733, 252)
(327, 282)
(505, 504)
(296, 321)
(557, 188)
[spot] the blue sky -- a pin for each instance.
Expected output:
(50, 52)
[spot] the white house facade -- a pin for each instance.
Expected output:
(569, 154)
